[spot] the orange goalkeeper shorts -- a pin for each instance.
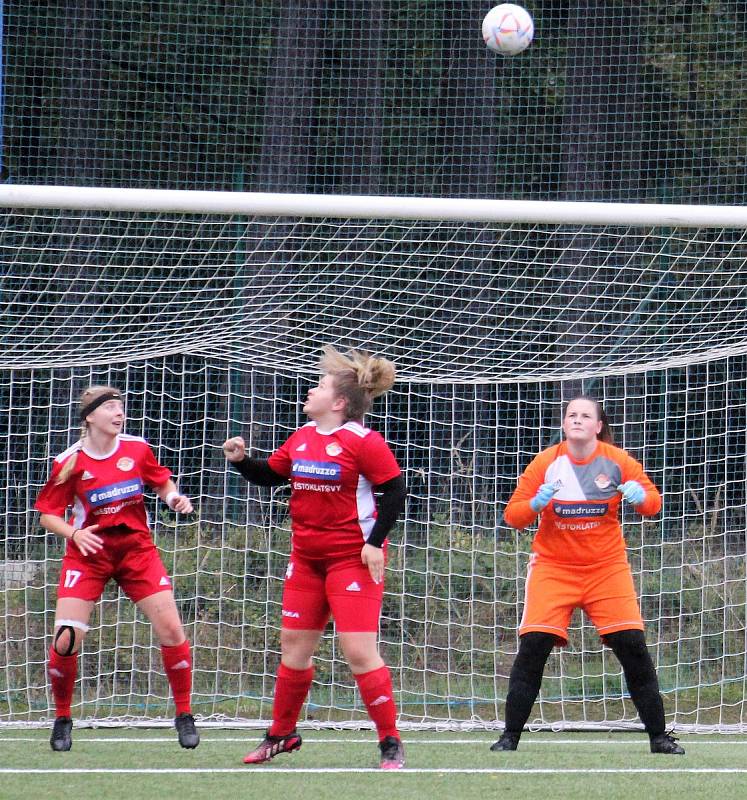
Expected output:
(604, 591)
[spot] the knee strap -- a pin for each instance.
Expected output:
(71, 640)
(68, 626)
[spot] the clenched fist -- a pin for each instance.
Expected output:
(234, 449)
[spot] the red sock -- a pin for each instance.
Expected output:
(376, 692)
(291, 688)
(63, 670)
(177, 661)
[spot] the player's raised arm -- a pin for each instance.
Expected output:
(255, 470)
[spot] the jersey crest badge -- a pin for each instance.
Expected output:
(602, 481)
(125, 464)
(333, 449)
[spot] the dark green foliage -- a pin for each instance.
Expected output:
(397, 98)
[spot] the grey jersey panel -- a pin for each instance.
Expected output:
(597, 480)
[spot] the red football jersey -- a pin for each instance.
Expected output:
(104, 490)
(332, 476)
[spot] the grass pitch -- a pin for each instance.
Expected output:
(147, 764)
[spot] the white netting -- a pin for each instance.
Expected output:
(213, 325)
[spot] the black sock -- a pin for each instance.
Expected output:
(526, 678)
(640, 675)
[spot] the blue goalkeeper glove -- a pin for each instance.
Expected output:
(543, 497)
(633, 492)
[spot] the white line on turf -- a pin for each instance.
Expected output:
(527, 742)
(350, 770)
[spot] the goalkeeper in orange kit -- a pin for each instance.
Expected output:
(579, 561)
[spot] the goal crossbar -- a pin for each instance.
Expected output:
(81, 198)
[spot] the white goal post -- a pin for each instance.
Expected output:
(209, 310)
(265, 204)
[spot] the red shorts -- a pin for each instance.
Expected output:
(316, 588)
(131, 559)
(604, 591)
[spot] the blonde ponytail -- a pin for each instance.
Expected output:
(359, 378)
(69, 465)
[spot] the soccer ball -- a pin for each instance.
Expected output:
(508, 29)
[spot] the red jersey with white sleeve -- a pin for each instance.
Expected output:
(104, 490)
(332, 476)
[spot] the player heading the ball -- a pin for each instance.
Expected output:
(334, 464)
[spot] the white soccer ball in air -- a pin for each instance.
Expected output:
(508, 29)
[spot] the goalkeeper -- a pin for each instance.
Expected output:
(578, 561)
(336, 567)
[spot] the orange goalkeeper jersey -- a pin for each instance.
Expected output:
(580, 524)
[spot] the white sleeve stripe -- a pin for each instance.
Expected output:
(356, 428)
(70, 450)
(366, 506)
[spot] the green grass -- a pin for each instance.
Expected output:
(156, 749)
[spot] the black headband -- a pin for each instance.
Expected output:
(100, 400)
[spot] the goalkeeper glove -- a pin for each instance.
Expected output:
(543, 497)
(633, 492)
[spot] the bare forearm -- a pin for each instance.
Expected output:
(56, 525)
(173, 498)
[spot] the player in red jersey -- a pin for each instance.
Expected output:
(336, 566)
(579, 561)
(100, 478)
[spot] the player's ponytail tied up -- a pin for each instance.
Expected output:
(69, 465)
(605, 435)
(375, 374)
(359, 377)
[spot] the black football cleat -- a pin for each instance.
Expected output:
(508, 741)
(392, 753)
(189, 738)
(61, 739)
(272, 746)
(666, 743)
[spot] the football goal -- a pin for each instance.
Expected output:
(209, 310)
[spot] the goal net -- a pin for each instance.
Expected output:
(209, 310)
